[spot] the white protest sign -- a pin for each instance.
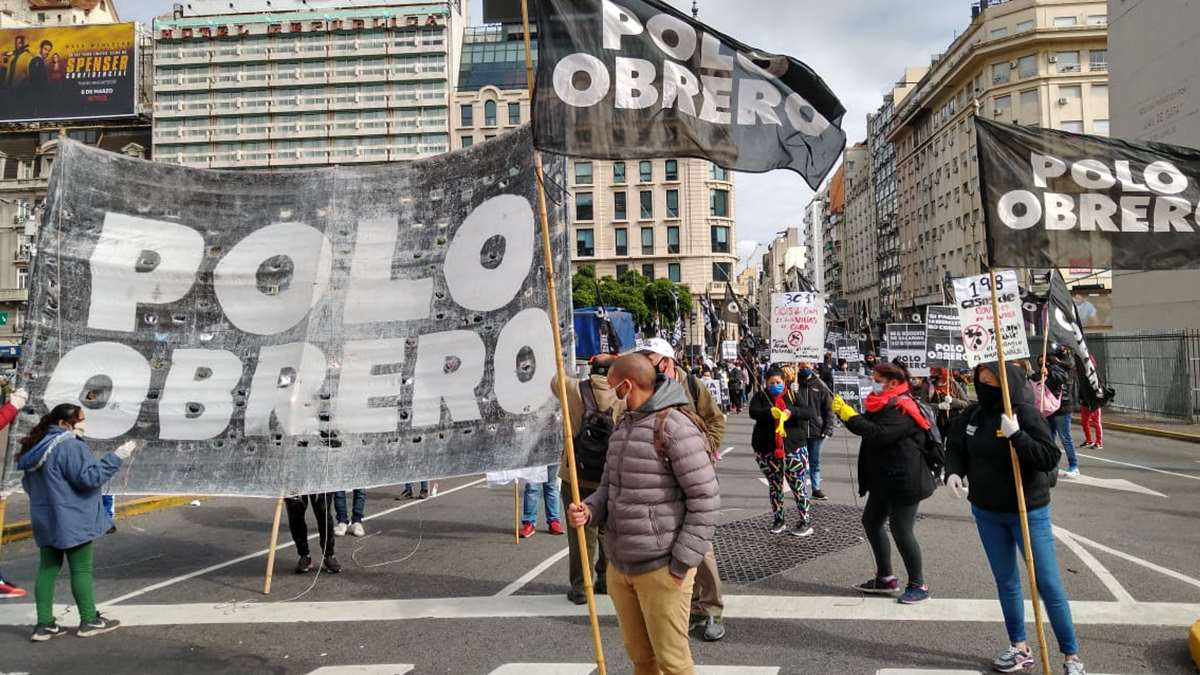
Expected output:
(729, 350)
(973, 298)
(797, 327)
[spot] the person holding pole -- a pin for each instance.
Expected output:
(63, 481)
(978, 456)
(1056, 374)
(658, 501)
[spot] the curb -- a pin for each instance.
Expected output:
(1149, 431)
(23, 529)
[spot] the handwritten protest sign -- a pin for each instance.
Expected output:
(797, 327)
(973, 298)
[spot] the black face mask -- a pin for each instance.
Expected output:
(989, 396)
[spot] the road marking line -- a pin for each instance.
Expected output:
(377, 669)
(1110, 582)
(737, 670)
(1139, 466)
(726, 451)
(1136, 560)
(924, 671)
(535, 572)
(545, 669)
(213, 568)
(1110, 484)
(787, 608)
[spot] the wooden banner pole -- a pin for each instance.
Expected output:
(561, 381)
(1002, 375)
(271, 550)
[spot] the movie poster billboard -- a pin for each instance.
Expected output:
(68, 72)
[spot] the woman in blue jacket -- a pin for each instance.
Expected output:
(63, 481)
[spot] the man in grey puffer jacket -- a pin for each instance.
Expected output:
(658, 513)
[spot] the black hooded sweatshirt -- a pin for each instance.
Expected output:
(977, 450)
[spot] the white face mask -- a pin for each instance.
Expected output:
(80, 428)
(876, 387)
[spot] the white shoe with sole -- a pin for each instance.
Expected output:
(339, 530)
(357, 530)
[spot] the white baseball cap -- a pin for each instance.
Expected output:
(656, 346)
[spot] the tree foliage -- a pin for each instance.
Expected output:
(645, 300)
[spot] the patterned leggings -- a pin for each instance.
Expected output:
(792, 468)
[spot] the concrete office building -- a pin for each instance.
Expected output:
(786, 255)
(860, 233)
(1033, 62)
(1156, 97)
(832, 240)
(304, 83)
(27, 13)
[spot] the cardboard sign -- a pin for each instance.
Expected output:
(906, 343)
(973, 299)
(849, 387)
(797, 327)
(729, 350)
(943, 338)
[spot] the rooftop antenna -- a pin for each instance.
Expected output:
(695, 9)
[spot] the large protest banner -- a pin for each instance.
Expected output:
(281, 333)
(906, 344)
(973, 299)
(797, 327)
(636, 79)
(943, 338)
(68, 72)
(1056, 199)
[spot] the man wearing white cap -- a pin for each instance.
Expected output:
(707, 604)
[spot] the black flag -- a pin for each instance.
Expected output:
(1056, 199)
(1067, 329)
(636, 79)
(731, 308)
(712, 323)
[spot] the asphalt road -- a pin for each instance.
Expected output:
(439, 586)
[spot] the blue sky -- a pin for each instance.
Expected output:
(858, 46)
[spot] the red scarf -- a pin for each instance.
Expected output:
(782, 406)
(900, 394)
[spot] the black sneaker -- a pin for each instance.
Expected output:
(331, 565)
(819, 495)
(112, 530)
(304, 565)
(97, 626)
(579, 598)
(802, 529)
(44, 632)
(779, 527)
(424, 494)
(407, 494)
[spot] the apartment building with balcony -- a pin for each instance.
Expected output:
(860, 233)
(304, 83)
(1031, 62)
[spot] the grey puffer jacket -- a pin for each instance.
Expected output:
(657, 513)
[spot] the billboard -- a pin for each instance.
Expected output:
(68, 72)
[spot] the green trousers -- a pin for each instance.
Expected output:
(80, 560)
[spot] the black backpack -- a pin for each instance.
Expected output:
(934, 447)
(591, 441)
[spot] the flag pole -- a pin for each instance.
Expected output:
(1045, 350)
(561, 381)
(1002, 375)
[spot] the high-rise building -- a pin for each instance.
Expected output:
(1032, 62)
(661, 218)
(860, 233)
(832, 235)
(295, 83)
(786, 257)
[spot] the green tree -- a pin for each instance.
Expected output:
(642, 298)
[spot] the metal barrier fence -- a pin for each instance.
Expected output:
(1154, 374)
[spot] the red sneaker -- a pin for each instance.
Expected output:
(556, 527)
(527, 530)
(7, 590)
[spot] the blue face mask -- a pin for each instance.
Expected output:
(876, 387)
(806, 373)
(775, 389)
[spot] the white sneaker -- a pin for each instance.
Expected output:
(339, 530)
(1072, 472)
(357, 530)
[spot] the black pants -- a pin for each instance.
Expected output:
(297, 508)
(595, 544)
(901, 518)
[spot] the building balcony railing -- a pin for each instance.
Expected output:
(14, 295)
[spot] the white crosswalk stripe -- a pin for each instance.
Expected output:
(375, 669)
(925, 671)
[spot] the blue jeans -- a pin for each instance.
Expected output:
(109, 505)
(360, 505)
(1060, 425)
(548, 491)
(814, 460)
(1001, 537)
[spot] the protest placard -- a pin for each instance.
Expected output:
(849, 387)
(729, 350)
(906, 344)
(973, 300)
(943, 338)
(797, 327)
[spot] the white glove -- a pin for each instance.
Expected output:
(1009, 426)
(125, 450)
(944, 405)
(19, 398)
(956, 485)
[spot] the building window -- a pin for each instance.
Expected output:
(998, 33)
(489, 113)
(1027, 66)
(1002, 107)
(719, 173)
(673, 240)
(585, 243)
(721, 271)
(618, 172)
(718, 203)
(672, 203)
(720, 239)
(468, 115)
(622, 270)
(1030, 106)
(620, 206)
(1071, 94)
(1000, 72)
(583, 206)
(22, 279)
(514, 113)
(647, 241)
(647, 204)
(621, 239)
(1098, 60)
(672, 169)
(583, 173)
(675, 272)
(1065, 21)
(1100, 127)
(1067, 62)
(1097, 19)
(468, 141)
(1073, 126)
(1026, 26)
(648, 271)
(646, 171)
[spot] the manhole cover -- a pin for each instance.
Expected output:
(747, 552)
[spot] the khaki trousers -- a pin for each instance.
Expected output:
(706, 596)
(653, 614)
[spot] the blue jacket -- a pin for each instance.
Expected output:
(63, 483)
